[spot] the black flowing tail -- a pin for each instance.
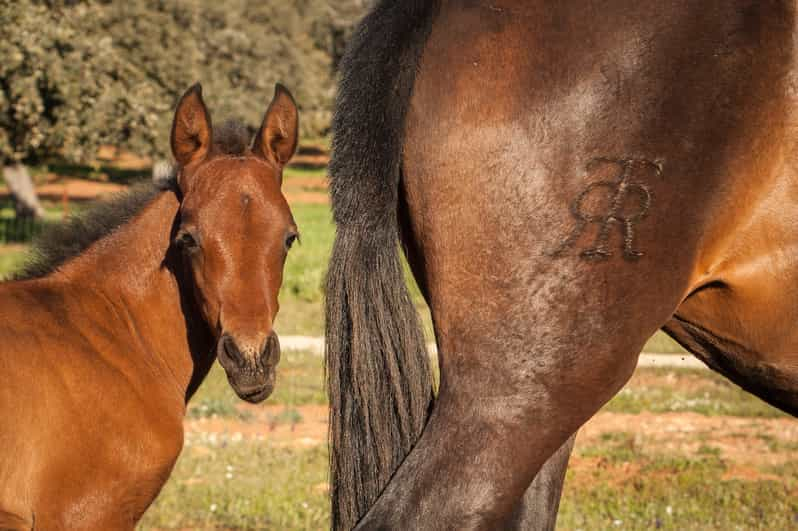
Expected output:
(378, 374)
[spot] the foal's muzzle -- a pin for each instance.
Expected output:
(250, 369)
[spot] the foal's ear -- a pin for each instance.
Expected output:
(279, 133)
(191, 128)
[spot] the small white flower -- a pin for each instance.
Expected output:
(669, 510)
(213, 507)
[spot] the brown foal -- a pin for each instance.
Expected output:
(107, 335)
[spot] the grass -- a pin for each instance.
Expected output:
(244, 485)
(299, 383)
(250, 485)
(674, 492)
(305, 268)
(233, 483)
(622, 486)
(615, 483)
(214, 407)
(661, 343)
(53, 211)
(292, 171)
(692, 390)
(11, 259)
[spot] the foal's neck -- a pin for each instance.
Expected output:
(149, 298)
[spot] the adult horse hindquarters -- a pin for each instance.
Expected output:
(119, 320)
(573, 177)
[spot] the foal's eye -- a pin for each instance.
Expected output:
(185, 241)
(289, 240)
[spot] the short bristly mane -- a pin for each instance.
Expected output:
(60, 243)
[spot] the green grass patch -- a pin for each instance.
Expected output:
(53, 211)
(298, 171)
(615, 447)
(301, 296)
(216, 407)
(300, 381)
(257, 485)
(244, 485)
(661, 343)
(673, 492)
(661, 390)
(288, 415)
(303, 278)
(11, 260)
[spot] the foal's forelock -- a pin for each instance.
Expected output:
(232, 138)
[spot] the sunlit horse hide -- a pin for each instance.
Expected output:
(115, 323)
(566, 178)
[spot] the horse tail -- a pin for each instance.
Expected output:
(378, 374)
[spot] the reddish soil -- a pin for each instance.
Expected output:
(310, 431)
(748, 443)
(308, 183)
(307, 190)
(308, 156)
(75, 189)
(743, 441)
(306, 198)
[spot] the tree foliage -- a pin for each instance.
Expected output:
(78, 74)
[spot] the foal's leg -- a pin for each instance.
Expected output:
(538, 508)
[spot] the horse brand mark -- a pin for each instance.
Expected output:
(628, 204)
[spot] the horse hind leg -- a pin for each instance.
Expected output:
(538, 509)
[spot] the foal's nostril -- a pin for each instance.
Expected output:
(270, 353)
(231, 349)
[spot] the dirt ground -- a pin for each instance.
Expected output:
(73, 189)
(307, 190)
(749, 443)
(746, 444)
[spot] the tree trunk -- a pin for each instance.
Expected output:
(26, 202)
(162, 171)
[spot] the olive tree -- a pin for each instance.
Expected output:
(77, 74)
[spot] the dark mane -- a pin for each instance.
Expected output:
(59, 243)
